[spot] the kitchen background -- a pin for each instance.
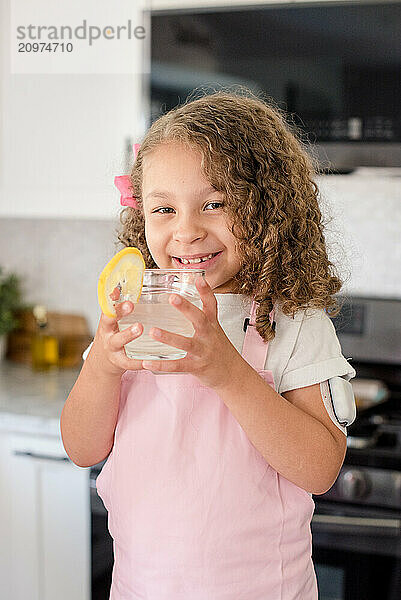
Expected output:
(63, 140)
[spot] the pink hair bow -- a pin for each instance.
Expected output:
(123, 184)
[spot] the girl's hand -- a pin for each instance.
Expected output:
(210, 354)
(110, 341)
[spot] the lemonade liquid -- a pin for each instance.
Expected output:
(159, 314)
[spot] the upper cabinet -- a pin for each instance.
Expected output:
(65, 136)
(174, 4)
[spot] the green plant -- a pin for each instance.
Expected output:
(10, 301)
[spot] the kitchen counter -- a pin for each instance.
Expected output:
(32, 401)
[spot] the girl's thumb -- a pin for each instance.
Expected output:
(121, 308)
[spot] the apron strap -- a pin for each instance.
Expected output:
(254, 349)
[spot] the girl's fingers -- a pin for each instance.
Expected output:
(110, 325)
(189, 311)
(118, 340)
(167, 366)
(130, 364)
(172, 339)
(117, 343)
(107, 324)
(209, 302)
(123, 309)
(115, 294)
(199, 318)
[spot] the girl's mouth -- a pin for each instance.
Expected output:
(204, 264)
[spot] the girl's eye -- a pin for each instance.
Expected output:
(219, 203)
(163, 208)
(159, 209)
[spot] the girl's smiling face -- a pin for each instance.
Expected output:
(184, 215)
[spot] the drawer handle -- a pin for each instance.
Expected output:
(40, 456)
(389, 524)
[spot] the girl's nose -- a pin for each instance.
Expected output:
(188, 230)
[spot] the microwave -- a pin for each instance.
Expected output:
(333, 67)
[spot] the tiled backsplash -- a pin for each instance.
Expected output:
(364, 234)
(60, 259)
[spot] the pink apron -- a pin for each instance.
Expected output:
(195, 511)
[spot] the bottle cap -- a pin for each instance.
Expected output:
(40, 314)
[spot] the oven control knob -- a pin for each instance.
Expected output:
(354, 484)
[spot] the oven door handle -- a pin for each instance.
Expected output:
(339, 523)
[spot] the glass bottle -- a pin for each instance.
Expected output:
(44, 346)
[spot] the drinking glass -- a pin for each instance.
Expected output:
(154, 310)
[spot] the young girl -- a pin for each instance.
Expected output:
(213, 458)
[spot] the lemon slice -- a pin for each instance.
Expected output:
(126, 270)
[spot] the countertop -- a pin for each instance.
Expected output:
(32, 401)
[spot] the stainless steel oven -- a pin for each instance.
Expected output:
(356, 527)
(356, 548)
(101, 542)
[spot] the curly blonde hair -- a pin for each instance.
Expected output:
(256, 160)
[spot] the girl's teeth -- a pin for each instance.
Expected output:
(191, 261)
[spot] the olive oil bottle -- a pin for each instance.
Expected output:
(44, 346)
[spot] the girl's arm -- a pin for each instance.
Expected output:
(89, 416)
(293, 432)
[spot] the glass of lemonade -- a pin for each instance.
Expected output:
(153, 309)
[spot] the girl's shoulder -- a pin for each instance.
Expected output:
(305, 319)
(307, 328)
(306, 349)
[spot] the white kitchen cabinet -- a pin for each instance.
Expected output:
(45, 521)
(64, 137)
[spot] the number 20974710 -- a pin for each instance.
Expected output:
(45, 47)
